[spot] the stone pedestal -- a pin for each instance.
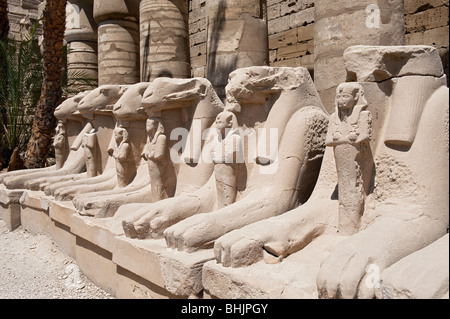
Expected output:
(293, 278)
(10, 207)
(126, 268)
(35, 218)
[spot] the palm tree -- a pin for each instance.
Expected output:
(4, 29)
(20, 89)
(39, 145)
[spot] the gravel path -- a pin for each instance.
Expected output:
(32, 267)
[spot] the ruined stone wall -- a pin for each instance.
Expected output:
(427, 23)
(197, 37)
(291, 31)
(22, 14)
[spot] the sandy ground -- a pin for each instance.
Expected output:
(32, 267)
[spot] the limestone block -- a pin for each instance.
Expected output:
(437, 37)
(301, 18)
(290, 63)
(196, 12)
(179, 273)
(198, 38)
(429, 19)
(414, 6)
(9, 207)
(198, 26)
(96, 264)
(34, 215)
(305, 33)
(282, 39)
(278, 25)
(131, 286)
(273, 11)
(293, 278)
(374, 63)
(421, 275)
(288, 7)
(293, 51)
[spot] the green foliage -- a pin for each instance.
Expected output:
(20, 89)
(21, 81)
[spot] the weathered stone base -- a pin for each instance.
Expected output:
(126, 268)
(10, 207)
(293, 278)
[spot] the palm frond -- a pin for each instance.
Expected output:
(20, 87)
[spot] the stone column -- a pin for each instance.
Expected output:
(81, 37)
(118, 41)
(237, 38)
(340, 24)
(164, 33)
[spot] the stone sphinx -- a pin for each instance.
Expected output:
(281, 176)
(67, 148)
(249, 91)
(196, 104)
(69, 160)
(402, 191)
(422, 275)
(132, 174)
(96, 107)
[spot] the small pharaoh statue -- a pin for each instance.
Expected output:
(59, 143)
(226, 153)
(89, 146)
(155, 154)
(349, 133)
(121, 153)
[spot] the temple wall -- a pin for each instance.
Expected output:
(426, 22)
(291, 31)
(22, 15)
